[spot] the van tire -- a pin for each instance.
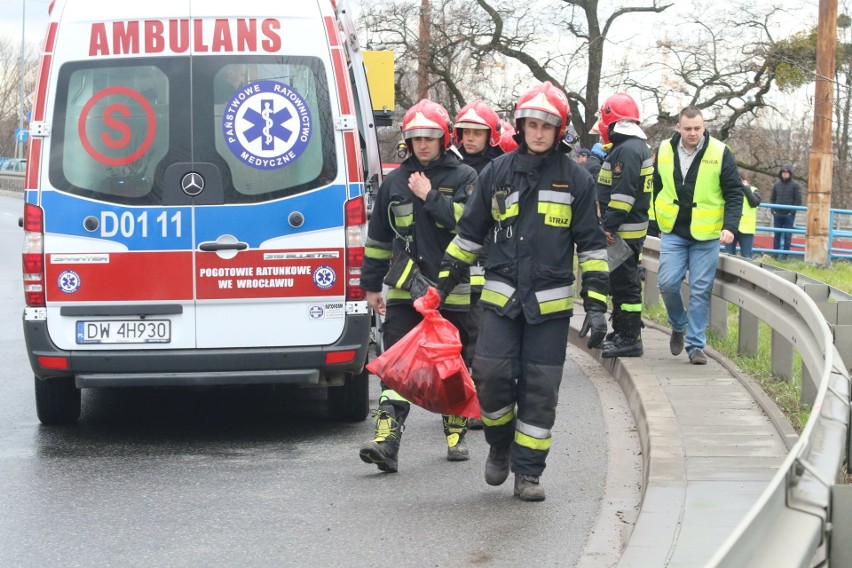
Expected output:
(57, 400)
(351, 402)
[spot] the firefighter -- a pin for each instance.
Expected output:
(625, 185)
(413, 221)
(477, 136)
(533, 205)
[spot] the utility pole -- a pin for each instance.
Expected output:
(19, 145)
(425, 45)
(821, 157)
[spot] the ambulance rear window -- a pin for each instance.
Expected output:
(264, 122)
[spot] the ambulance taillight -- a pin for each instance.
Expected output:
(356, 227)
(33, 256)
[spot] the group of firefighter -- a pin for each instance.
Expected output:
(490, 214)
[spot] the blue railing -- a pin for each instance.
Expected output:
(836, 234)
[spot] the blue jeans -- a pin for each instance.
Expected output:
(677, 255)
(746, 245)
(782, 241)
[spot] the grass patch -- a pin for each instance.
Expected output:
(839, 275)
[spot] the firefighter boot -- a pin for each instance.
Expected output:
(384, 448)
(628, 343)
(617, 320)
(497, 466)
(455, 427)
(528, 487)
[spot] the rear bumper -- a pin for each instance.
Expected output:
(203, 367)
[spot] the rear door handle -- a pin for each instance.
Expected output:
(214, 246)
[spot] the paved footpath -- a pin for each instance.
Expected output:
(711, 441)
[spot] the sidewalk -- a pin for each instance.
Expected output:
(711, 441)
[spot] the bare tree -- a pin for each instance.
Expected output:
(10, 73)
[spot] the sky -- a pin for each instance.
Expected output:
(35, 24)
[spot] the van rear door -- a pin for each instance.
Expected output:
(269, 221)
(196, 180)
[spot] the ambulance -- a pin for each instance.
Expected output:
(194, 209)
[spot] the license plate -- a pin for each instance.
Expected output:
(124, 331)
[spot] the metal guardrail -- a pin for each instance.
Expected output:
(791, 523)
(12, 181)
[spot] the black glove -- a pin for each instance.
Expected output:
(418, 286)
(596, 322)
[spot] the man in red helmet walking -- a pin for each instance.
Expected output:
(477, 135)
(413, 222)
(625, 186)
(533, 205)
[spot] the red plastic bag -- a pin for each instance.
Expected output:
(426, 366)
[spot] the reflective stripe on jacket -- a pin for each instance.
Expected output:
(533, 210)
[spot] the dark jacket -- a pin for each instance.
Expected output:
(425, 235)
(548, 207)
(480, 160)
(730, 183)
(785, 192)
(593, 165)
(624, 188)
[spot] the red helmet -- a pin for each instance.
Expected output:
(507, 137)
(545, 102)
(427, 119)
(619, 106)
(479, 116)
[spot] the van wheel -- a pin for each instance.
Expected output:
(351, 402)
(57, 400)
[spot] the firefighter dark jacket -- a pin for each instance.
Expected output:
(533, 209)
(404, 226)
(625, 186)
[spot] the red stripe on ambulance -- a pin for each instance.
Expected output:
(126, 276)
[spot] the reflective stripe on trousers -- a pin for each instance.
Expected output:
(517, 370)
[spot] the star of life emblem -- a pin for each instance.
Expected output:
(69, 281)
(267, 125)
(324, 277)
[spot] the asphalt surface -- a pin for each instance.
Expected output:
(252, 477)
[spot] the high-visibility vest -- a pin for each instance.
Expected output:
(708, 213)
(748, 222)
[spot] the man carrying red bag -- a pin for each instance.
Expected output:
(412, 223)
(533, 205)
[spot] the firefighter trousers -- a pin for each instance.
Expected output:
(399, 320)
(517, 370)
(625, 283)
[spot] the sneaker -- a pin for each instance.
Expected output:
(497, 466)
(697, 357)
(384, 448)
(528, 488)
(676, 342)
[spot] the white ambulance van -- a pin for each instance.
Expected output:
(194, 209)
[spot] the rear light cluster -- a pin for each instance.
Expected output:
(356, 227)
(33, 256)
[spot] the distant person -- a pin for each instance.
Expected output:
(744, 235)
(786, 191)
(698, 201)
(583, 155)
(595, 160)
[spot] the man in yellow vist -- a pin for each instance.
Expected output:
(698, 203)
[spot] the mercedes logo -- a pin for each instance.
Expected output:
(192, 183)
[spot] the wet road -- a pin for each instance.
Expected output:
(251, 477)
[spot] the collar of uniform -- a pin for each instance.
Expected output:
(681, 148)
